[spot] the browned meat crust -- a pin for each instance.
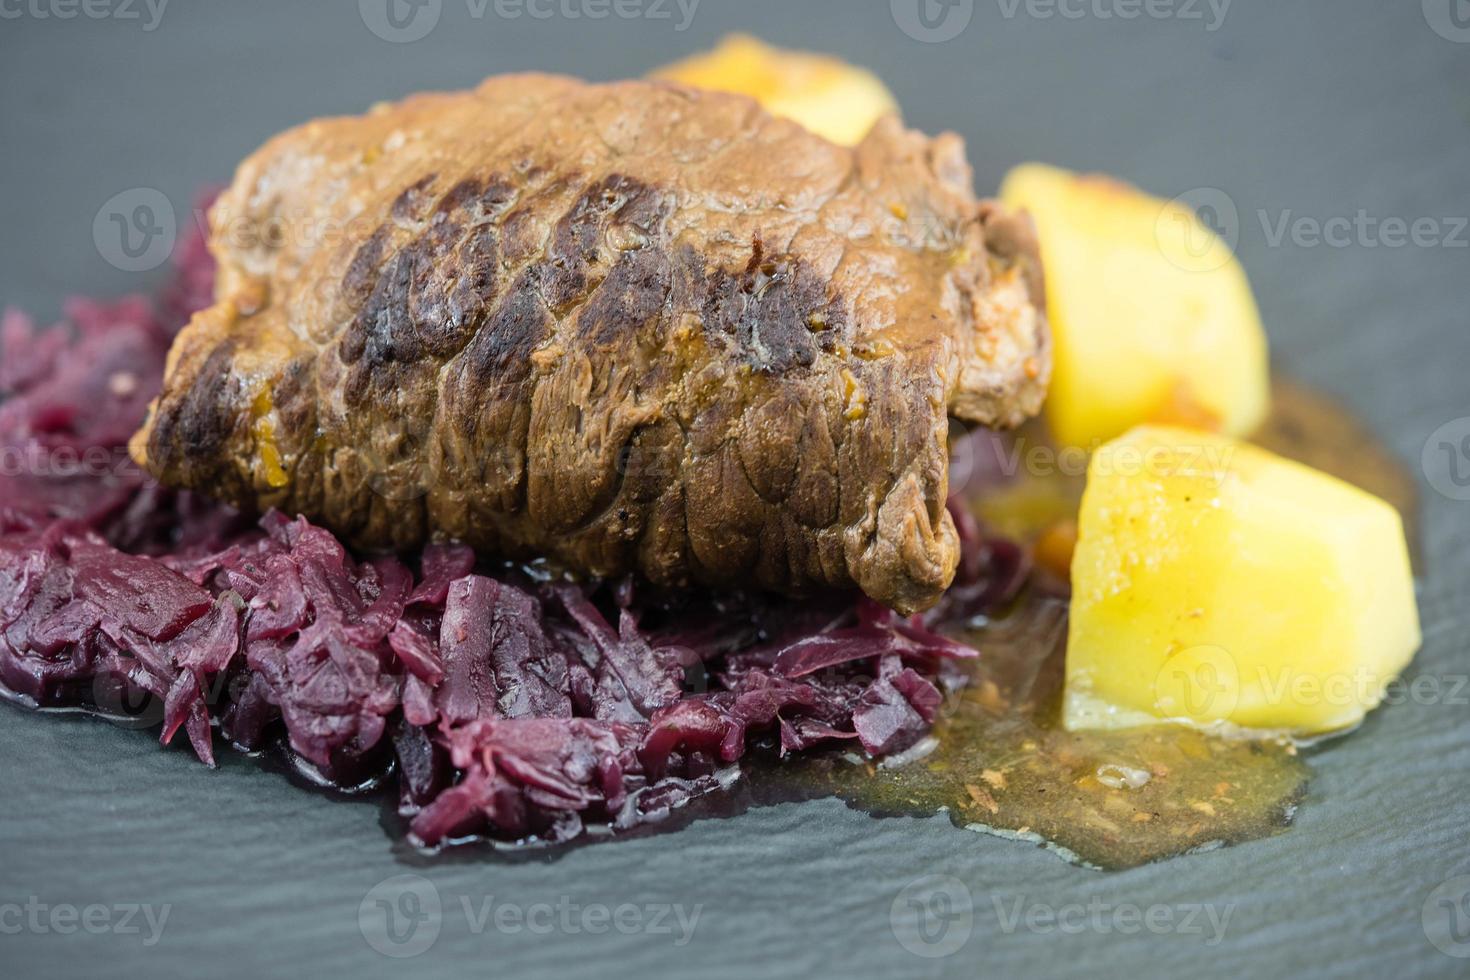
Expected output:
(627, 327)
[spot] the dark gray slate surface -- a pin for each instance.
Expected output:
(1316, 109)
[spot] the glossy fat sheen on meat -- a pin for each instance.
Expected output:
(628, 327)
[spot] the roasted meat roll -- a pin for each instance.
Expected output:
(631, 327)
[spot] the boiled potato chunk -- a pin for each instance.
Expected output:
(1216, 584)
(1152, 316)
(826, 95)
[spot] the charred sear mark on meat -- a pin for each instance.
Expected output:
(193, 430)
(776, 311)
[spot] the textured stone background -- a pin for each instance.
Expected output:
(1319, 108)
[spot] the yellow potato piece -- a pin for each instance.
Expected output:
(1216, 584)
(826, 95)
(1152, 316)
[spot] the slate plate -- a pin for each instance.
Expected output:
(1314, 109)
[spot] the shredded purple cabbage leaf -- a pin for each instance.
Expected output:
(505, 704)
